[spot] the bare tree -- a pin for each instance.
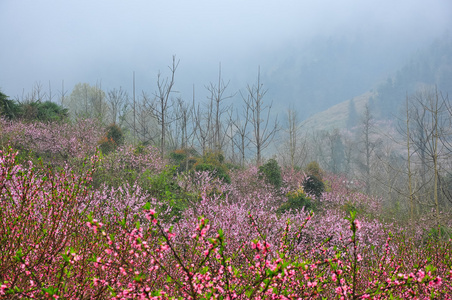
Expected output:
(183, 116)
(293, 147)
(336, 156)
(433, 125)
(161, 103)
(202, 124)
(349, 152)
(144, 122)
(117, 102)
(426, 126)
(37, 94)
(259, 117)
(62, 94)
(240, 132)
(368, 142)
(50, 94)
(217, 98)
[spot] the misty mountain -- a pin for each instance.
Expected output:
(325, 71)
(316, 75)
(428, 67)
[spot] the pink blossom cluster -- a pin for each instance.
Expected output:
(62, 140)
(61, 238)
(130, 158)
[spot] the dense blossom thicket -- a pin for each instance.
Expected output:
(58, 141)
(113, 227)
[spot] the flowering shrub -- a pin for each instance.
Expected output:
(58, 142)
(129, 164)
(60, 238)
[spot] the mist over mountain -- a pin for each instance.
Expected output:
(429, 67)
(311, 56)
(325, 71)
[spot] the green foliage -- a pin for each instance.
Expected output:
(9, 108)
(184, 159)
(314, 186)
(440, 232)
(107, 145)
(87, 101)
(50, 112)
(46, 111)
(271, 172)
(213, 162)
(217, 171)
(178, 156)
(296, 201)
(313, 169)
(213, 158)
(164, 187)
(113, 138)
(114, 132)
(350, 206)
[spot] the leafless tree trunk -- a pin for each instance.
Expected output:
(240, 136)
(217, 98)
(117, 101)
(410, 175)
(435, 108)
(98, 104)
(50, 94)
(293, 150)
(202, 124)
(427, 129)
(146, 123)
(134, 128)
(367, 145)
(259, 117)
(161, 104)
(62, 93)
(293, 134)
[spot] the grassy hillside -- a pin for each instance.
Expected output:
(337, 115)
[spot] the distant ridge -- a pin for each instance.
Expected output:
(336, 116)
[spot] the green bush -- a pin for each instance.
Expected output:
(107, 145)
(184, 159)
(164, 187)
(271, 172)
(296, 201)
(217, 171)
(313, 186)
(46, 111)
(9, 109)
(439, 232)
(114, 133)
(213, 162)
(112, 139)
(313, 169)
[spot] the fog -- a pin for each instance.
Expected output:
(106, 41)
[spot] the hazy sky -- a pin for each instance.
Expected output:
(100, 40)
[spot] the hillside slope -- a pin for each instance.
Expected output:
(337, 115)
